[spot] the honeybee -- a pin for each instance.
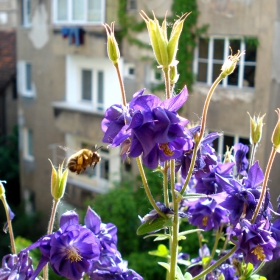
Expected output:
(82, 159)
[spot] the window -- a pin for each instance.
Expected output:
(157, 76)
(211, 54)
(129, 70)
(132, 5)
(24, 79)
(92, 87)
(79, 11)
(28, 144)
(224, 141)
(26, 13)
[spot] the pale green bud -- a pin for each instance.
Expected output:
(174, 76)
(112, 45)
(276, 133)
(174, 37)
(256, 127)
(58, 181)
(230, 64)
(2, 189)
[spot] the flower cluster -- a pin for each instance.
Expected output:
(72, 251)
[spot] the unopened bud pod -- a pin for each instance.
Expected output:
(58, 181)
(276, 133)
(256, 127)
(174, 37)
(112, 45)
(230, 64)
(174, 76)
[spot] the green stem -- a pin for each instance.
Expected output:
(218, 235)
(254, 149)
(202, 129)
(216, 264)
(121, 84)
(146, 187)
(266, 176)
(50, 230)
(175, 223)
(10, 227)
(166, 72)
(259, 267)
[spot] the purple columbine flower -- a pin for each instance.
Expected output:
(275, 229)
(241, 162)
(254, 241)
(148, 127)
(16, 267)
(207, 214)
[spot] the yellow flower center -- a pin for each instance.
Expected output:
(73, 254)
(204, 221)
(258, 251)
(166, 149)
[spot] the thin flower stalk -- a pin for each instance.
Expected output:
(166, 72)
(146, 187)
(252, 158)
(265, 181)
(121, 85)
(165, 184)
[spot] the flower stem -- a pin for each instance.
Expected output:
(146, 187)
(121, 84)
(10, 227)
(166, 72)
(165, 184)
(266, 176)
(50, 230)
(175, 223)
(216, 264)
(254, 149)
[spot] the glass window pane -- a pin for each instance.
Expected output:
(233, 77)
(203, 48)
(218, 49)
(251, 52)
(100, 88)
(202, 72)
(104, 167)
(78, 9)
(228, 141)
(86, 84)
(216, 71)
(30, 143)
(62, 8)
(28, 73)
(249, 76)
(94, 10)
(132, 4)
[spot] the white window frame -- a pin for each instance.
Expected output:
(26, 17)
(22, 79)
(127, 67)
(26, 152)
(153, 76)
(210, 60)
(75, 143)
(71, 21)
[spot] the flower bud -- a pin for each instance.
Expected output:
(58, 182)
(256, 125)
(276, 133)
(174, 76)
(230, 64)
(112, 45)
(174, 37)
(2, 189)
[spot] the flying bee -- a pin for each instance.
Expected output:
(82, 159)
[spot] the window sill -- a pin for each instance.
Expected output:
(77, 107)
(88, 184)
(245, 94)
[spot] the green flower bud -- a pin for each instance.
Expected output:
(112, 45)
(2, 189)
(174, 37)
(164, 50)
(174, 76)
(276, 133)
(230, 64)
(58, 181)
(256, 125)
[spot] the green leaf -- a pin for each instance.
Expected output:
(206, 260)
(165, 265)
(249, 269)
(221, 277)
(194, 195)
(188, 276)
(190, 231)
(179, 275)
(256, 277)
(159, 236)
(157, 224)
(161, 251)
(184, 262)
